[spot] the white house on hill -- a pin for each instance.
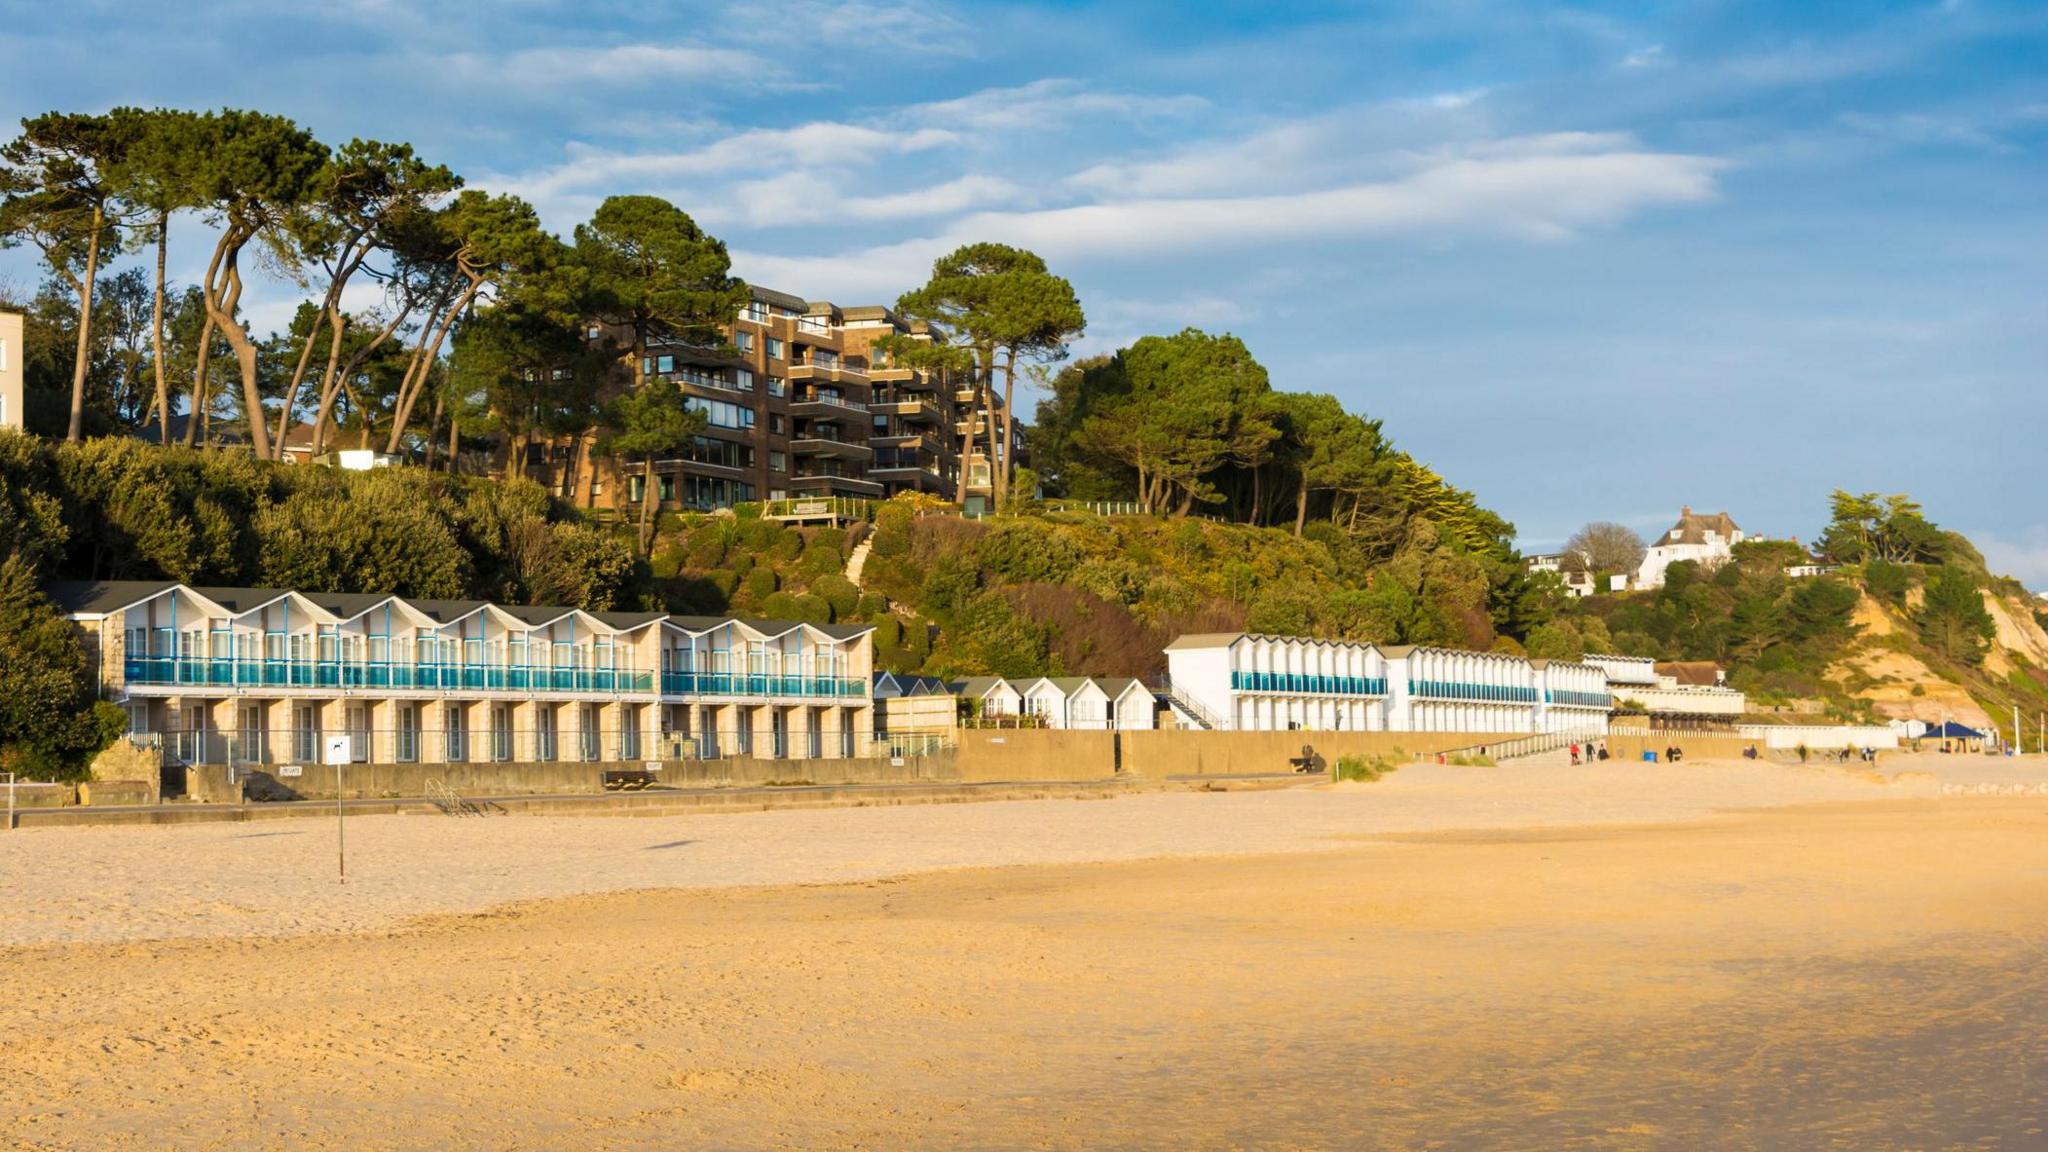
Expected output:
(1707, 540)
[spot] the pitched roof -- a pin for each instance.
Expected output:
(97, 597)
(979, 686)
(1698, 673)
(1204, 640)
(1692, 528)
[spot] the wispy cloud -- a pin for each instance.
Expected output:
(1047, 105)
(1532, 189)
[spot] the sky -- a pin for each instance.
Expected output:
(1593, 262)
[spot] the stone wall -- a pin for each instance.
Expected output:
(129, 764)
(1192, 752)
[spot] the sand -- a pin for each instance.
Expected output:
(1510, 958)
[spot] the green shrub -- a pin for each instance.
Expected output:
(838, 593)
(759, 585)
(1367, 769)
(872, 607)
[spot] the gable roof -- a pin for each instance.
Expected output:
(1692, 528)
(99, 597)
(1696, 673)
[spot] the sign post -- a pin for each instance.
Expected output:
(336, 753)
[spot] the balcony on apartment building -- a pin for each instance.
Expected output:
(822, 439)
(916, 456)
(829, 368)
(816, 331)
(905, 405)
(897, 435)
(832, 476)
(824, 402)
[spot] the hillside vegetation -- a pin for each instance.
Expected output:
(1910, 624)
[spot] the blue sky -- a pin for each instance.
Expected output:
(1592, 262)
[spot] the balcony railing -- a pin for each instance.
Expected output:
(206, 672)
(706, 380)
(234, 672)
(747, 684)
(1476, 693)
(1316, 684)
(810, 397)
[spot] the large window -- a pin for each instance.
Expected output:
(744, 341)
(774, 348)
(720, 453)
(707, 492)
(719, 413)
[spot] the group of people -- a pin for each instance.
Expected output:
(1590, 752)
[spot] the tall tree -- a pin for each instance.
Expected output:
(59, 196)
(486, 244)
(1604, 546)
(256, 174)
(647, 423)
(1005, 306)
(1193, 399)
(364, 199)
(647, 268)
(155, 181)
(1952, 618)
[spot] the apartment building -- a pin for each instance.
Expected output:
(12, 414)
(265, 676)
(1237, 681)
(800, 402)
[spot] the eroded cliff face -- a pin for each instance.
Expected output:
(1907, 687)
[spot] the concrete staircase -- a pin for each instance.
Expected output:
(858, 560)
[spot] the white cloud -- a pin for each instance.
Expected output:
(1045, 105)
(1535, 189)
(623, 64)
(803, 197)
(891, 27)
(1650, 57)
(1922, 130)
(821, 144)
(2024, 556)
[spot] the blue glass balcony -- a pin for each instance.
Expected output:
(209, 672)
(1308, 683)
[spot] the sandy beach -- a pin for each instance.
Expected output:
(1736, 955)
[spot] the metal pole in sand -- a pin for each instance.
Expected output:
(340, 826)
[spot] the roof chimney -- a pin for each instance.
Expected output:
(1685, 510)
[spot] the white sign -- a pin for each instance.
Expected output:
(336, 750)
(652, 765)
(811, 508)
(896, 761)
(291, 770)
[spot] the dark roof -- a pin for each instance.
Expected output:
(444, 610)
(347, 605)
(779, 299)
(774, 627)
(240, 599)
(1953, 731)
(1697, 673)
(95, 597)
(1692, 528)
(979, 686)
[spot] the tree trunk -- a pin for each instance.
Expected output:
(1300, 508)
(409, 392)
(298, 380)
(338, 375)
(78, 367)
(455, 445)
(1009, 466)
(203, 357)
(648, 498)
(156, 330)
(221, 302)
